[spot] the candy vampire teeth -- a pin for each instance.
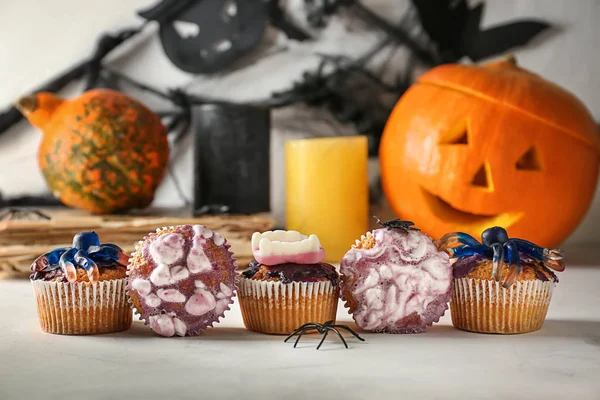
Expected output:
(286, 246)
(284, 242)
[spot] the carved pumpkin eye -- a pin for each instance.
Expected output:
(529, 161)
(483, 178)
(458, 135)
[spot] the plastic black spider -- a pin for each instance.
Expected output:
(323, 329)
(497, 246)
(87, 253)
(397, 224)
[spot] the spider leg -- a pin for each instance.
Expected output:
(515, 264)
(346, 327)
(466, 250)
(291, 335)
(301, 328)
(48, 260)
(340, 336)
(378, 221)
(40, 263)
(553, 254)
(302, 333)
(322, 340)
(54, 256)
(557, 265)
(108, 253)
(115, 253)
(497, 261)
(66, 264)
(89, 265)
(531, 249)
(112, 246)
(551, 258)
(453, 238)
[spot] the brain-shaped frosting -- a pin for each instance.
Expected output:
(182, 279)
(401, 284)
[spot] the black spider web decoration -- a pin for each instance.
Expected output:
(445, 32)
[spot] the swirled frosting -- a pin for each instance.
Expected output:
(182, 279)
(401, 284)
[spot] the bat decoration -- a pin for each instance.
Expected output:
(206, 36)
(455, 29)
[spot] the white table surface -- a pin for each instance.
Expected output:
(562, 361)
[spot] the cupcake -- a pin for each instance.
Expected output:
(501, 285)
(287, 284)
(182, 279)
(80, 290)
(394, 280)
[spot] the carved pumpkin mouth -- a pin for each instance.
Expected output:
(464, 220)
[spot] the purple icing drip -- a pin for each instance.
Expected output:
(463, 266)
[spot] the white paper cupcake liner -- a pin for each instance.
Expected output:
(485, 306)
(82, 308)
(280, 308)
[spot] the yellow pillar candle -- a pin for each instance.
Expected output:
(327, 190)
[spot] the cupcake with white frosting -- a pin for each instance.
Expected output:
(182, 279)
(394, 280)
(287, 284)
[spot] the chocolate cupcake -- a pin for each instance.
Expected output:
(394, 280)
(287, 284)
(81, 290)
(182, 279)
(501, 285)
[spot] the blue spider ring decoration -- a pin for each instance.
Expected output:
(87, 252)
(502, 250)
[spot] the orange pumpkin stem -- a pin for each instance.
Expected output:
(38, 108)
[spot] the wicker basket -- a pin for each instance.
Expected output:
(22, 240)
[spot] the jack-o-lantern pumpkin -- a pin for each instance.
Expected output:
(469, 147)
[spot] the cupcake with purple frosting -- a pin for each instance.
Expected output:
(394, 280)
(182, 279)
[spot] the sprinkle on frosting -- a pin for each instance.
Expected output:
(280, 247)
